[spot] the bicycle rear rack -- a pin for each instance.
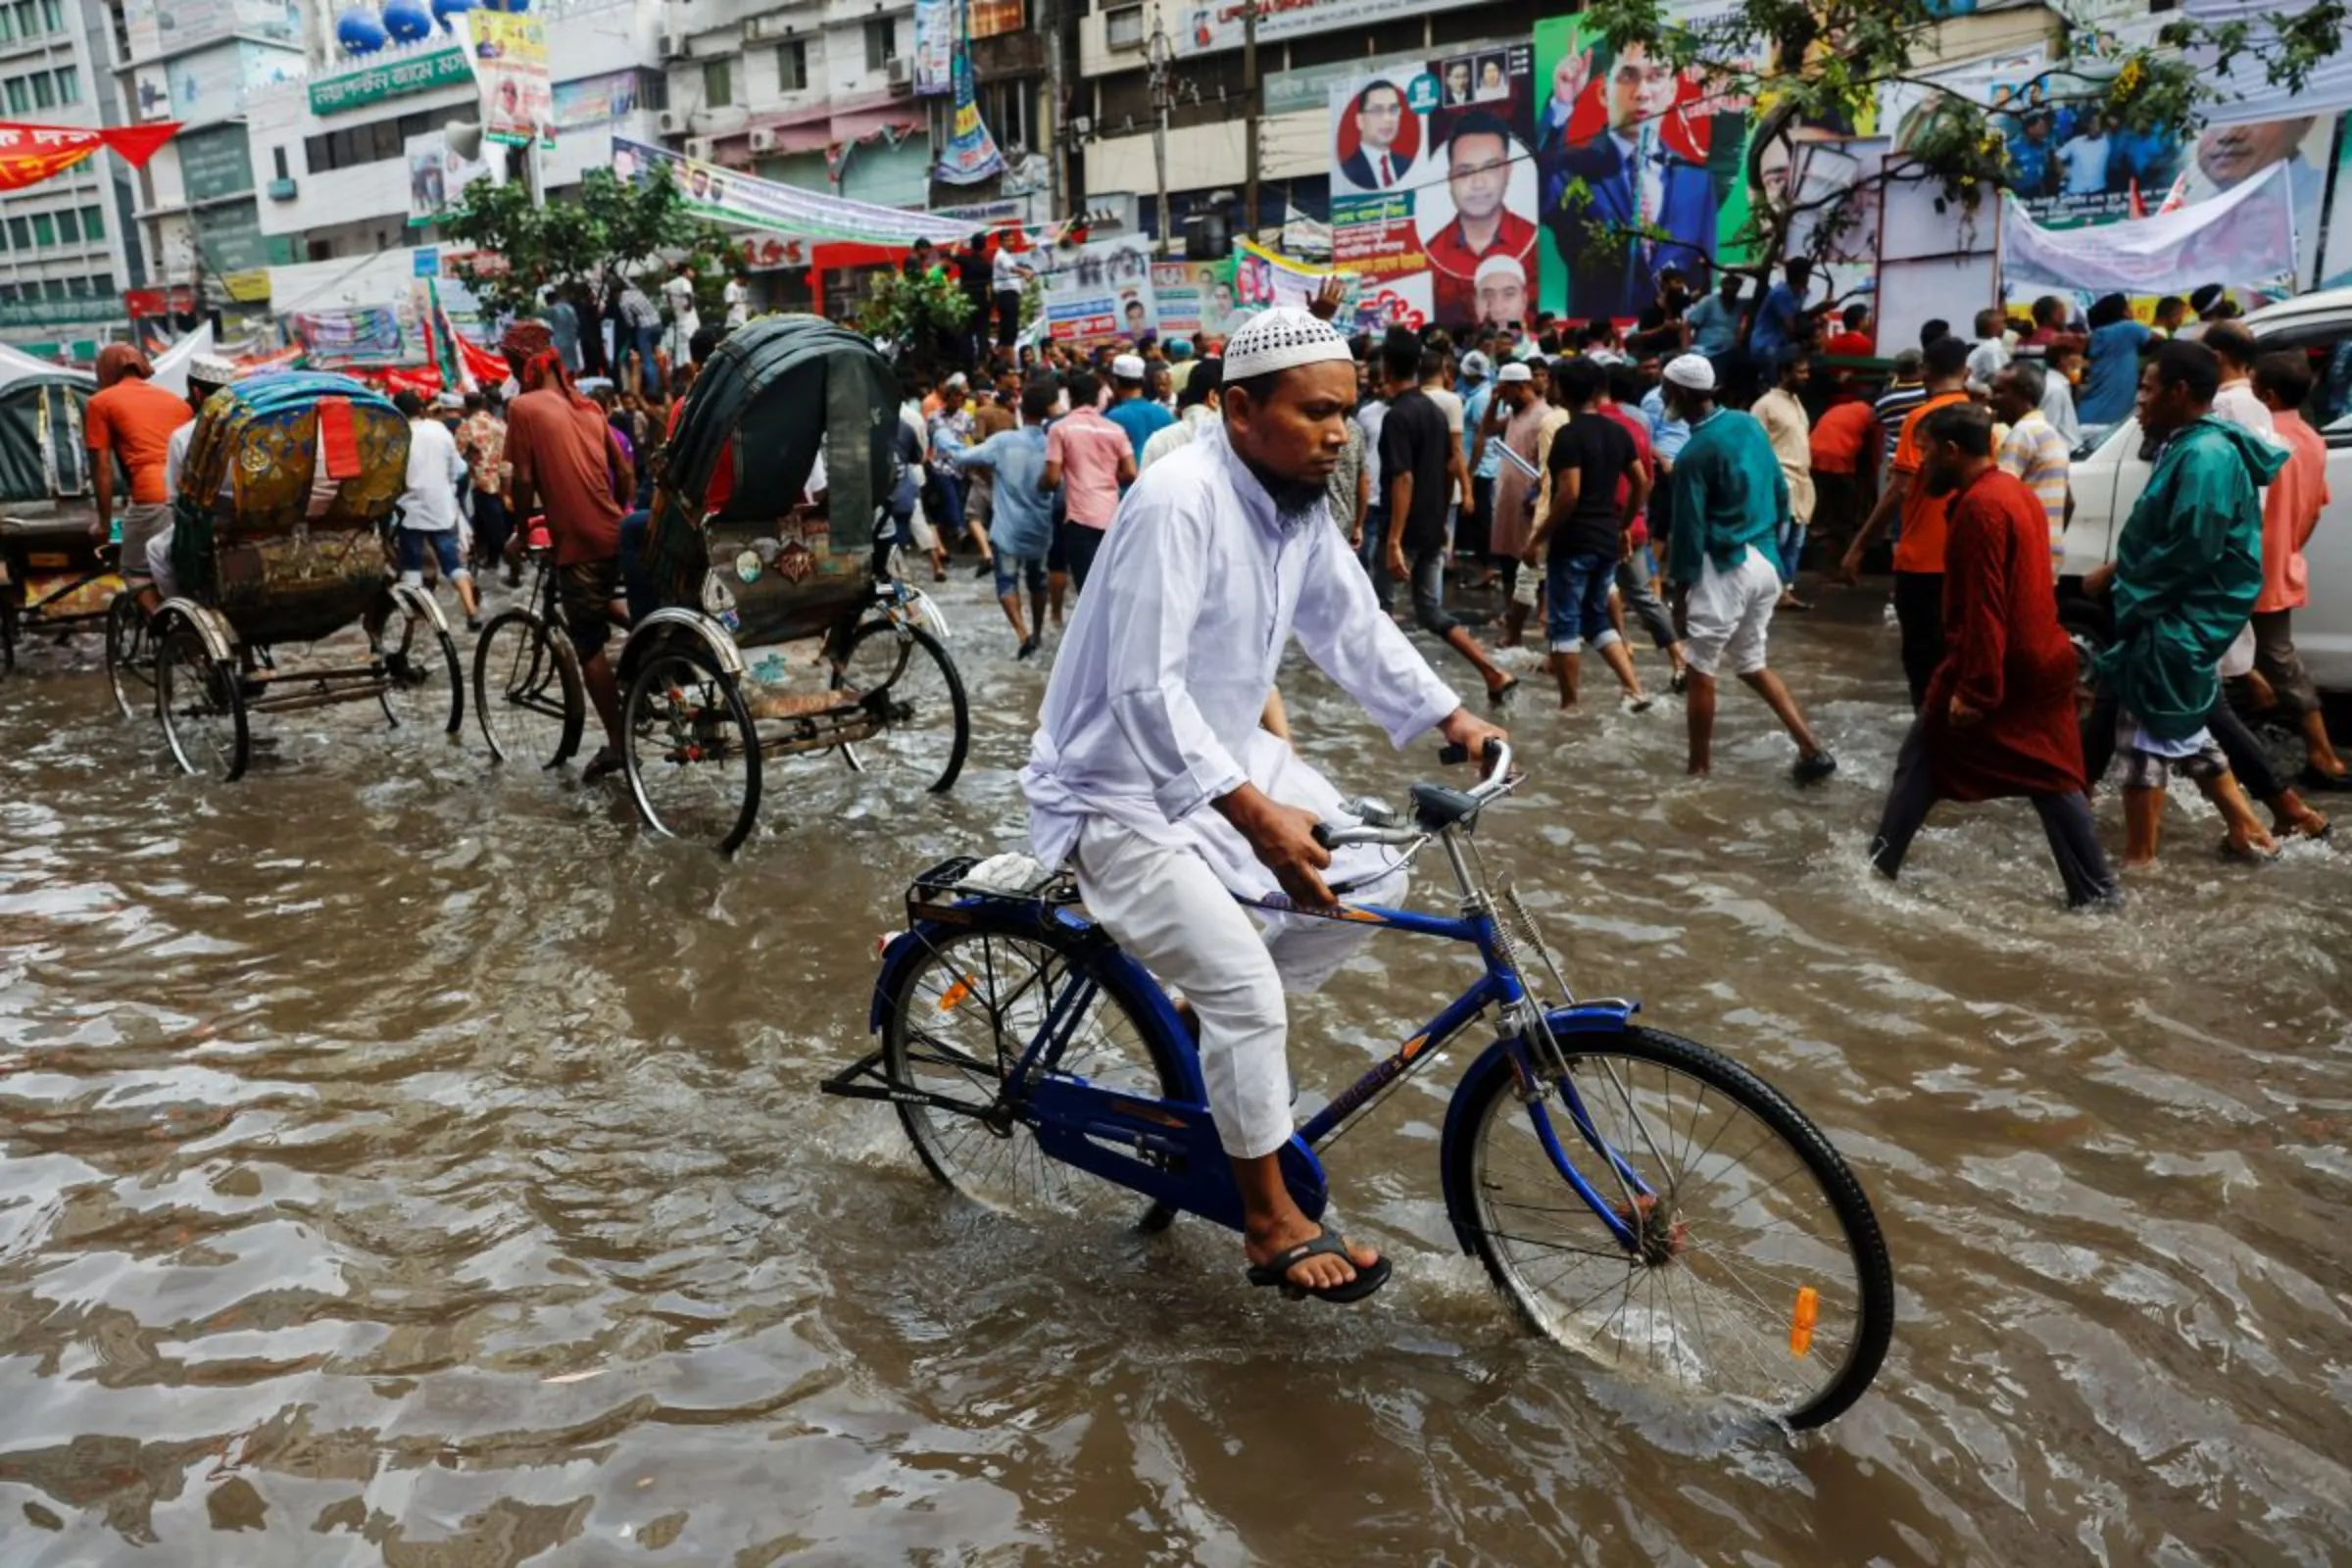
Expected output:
(947, 887)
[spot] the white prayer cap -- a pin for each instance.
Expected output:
(1128, 367)
(1499, 266)
(1476, 365)
(210, 369)
(956, 379)
(1281, 338)
(1515, 373)
(1691, 372)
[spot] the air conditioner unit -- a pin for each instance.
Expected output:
(763, 140)
(673, 46)
(902, 73)
(672, 122)
(699, 148)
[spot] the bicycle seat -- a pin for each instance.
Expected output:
(1437, 806)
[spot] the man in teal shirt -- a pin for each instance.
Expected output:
(2187, 572)
(1730, 500)
(1131, 410)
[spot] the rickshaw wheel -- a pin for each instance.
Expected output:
(421, 675)
(130, 656)
(202, 705)
(528, 696)
(928, 725)
(693, 755)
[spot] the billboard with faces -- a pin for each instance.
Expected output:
(1433, 188)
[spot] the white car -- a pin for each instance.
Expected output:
(2111, 476)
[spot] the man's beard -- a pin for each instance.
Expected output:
(1295, 500)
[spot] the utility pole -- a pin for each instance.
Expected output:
(1161, 54)
(1252, 102)
(1056, 138)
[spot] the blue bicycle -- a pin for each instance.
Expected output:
(1640, 1198)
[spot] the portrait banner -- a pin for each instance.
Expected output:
(971, 154)
(1099, 291)
(438, 176)
(1642, 169)
(1434, 189)
(934, 46)
(2244, 240)
(510, 61)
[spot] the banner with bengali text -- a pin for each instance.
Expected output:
(729, 196)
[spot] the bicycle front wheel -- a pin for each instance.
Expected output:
(960, 1017)
(1758, 1275)
(528, 695)
(130, 661)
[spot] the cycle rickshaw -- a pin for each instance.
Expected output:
(806, 412)
(54, 578)
(289, 486)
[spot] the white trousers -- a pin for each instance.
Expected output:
(1166, 907)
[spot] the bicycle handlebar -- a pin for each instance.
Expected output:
(1384, 825)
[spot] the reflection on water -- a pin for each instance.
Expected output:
(407, 1162)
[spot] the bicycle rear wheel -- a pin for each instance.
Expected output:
(1761, 1276)
(959, 1019)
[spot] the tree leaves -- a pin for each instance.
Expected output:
(609, 228)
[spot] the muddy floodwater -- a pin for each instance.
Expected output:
(407, 1161)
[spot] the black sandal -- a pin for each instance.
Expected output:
(604, 764)
(1325, 1244)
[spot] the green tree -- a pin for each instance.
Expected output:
(918, 313)
(1803, 64)
(611, 227)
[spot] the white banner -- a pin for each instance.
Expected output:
(2244, 240)
(1099, 291)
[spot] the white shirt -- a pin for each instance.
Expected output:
(1175, 437)
(2086, 159)
(1369, 417)
(430, 505)
(1988, 358)
(2236, 404)
(1156, 696)
(739, 303)
(1005, 272)
(2058, 407)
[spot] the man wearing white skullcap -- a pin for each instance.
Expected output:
(208, 373)
(1501, 291)
(1151, 771)
(1731, 500)
(1132, 412)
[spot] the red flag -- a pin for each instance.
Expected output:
(2139, 208)
(31, 154)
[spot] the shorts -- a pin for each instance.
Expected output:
(142, 520)
(1730, 613)
(584, 595)
(159, 565)
(2150, 765)
(413, 543)
(1577, 589)
(1012, 570)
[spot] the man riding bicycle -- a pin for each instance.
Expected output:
(1151, 771)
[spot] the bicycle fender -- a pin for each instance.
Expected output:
(219, 639)
(675, 622)
(1586, 1018)
(417, 602)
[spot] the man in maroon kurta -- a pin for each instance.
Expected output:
(1999, 716)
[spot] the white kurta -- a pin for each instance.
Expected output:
(1154, 707)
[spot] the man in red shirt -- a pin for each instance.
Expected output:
(1854, 341)
(131, 418)
(567, 461)
(1478, 171)
(1845, 470)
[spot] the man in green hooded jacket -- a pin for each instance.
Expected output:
(2188, 569)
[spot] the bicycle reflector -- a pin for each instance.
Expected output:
(1800, 1321)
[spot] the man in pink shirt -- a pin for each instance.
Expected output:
(2290, 509)
(1087, 459)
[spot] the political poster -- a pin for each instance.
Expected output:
(510, 62)
(1100, 290)
(1263, 277)
(1193, 299)
(1642, 169)
(1434, 189)
(934, 45)
(438, 176)
(971, 154)
(2244, 240)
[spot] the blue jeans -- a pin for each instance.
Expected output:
(1575, 590)
(413, 543)
(1374, 555)
(1012, 569)
(646, 339)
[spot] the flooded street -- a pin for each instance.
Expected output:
(407, 1161)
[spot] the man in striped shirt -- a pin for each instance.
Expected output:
(2033, 451)
(1905, 393)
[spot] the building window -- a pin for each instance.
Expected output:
(93, 223)
(277, 162)
(1005, 110)
(103, 285)
(53, 288)
(792, 66)
(18, 99)
(718, 84)
(882, 43)
(8, 27)
(19, 237)
(44, 90)
(69, 84)
(1123, 28)
(45, 230)
(69, 226)
(78, 287)
(53, 16)
(27, 19)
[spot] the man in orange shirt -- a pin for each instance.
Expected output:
(2290, 511)
(1919, 552)
(132, 418)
